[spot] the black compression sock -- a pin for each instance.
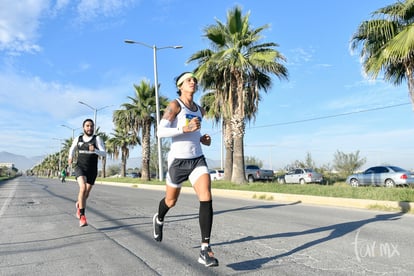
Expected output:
(162, 210)
(206, 220)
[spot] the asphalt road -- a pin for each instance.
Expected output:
(40, 235)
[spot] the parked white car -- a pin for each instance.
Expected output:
(216, 175)
(301, 176)
(388, 176)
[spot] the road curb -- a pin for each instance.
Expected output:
(320, 200)
(290, 198)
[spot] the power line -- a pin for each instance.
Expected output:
(331, 116)
(323, 117)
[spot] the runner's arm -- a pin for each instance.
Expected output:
(100, 147)
(72, 149)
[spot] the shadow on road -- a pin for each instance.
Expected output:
(268, 206)
(337, 230)
(183, 217)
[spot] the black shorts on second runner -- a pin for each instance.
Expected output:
(181, 169)
(89, 174)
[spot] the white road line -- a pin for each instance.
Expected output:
(8, 199)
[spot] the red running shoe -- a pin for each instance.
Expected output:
(82, 221)
(77, 210)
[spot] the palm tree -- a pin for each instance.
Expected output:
(388, 44)
(138, 117)
(65, 153)
(120, 142)
(105, 139)
(238, 66)
(214, 102)
(143, 105)
(52, 164)
(216, 110)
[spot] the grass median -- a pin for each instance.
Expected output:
(340, 190)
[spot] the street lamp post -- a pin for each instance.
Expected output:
(95, 112)
(73, 130)
(157, 100)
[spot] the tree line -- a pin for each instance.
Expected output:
(237, 66)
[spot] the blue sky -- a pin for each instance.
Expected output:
(54, 54)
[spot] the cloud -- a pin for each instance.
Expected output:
(60, 4)
(366, 95)
(300, 56)
(35, 110)
(90, 9)
(32, 95)
(19, 22)
(323, 65)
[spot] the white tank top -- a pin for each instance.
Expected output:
(188, 144)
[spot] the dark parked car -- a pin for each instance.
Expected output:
(133, 175)
(388, 176)
(254, 173)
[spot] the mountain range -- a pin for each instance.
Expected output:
(23, 163)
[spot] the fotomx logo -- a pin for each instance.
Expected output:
(373, 249)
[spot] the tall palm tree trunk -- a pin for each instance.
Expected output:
(238, 175)
(238, 127)
(146, 151)
(410, 83)
(228, 145)
(103, 167)
(124, 158)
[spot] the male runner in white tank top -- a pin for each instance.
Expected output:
(181, 122)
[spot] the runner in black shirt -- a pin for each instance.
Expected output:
(89, 148)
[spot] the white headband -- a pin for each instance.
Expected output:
(184, 77)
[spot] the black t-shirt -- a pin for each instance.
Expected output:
(87, 159)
